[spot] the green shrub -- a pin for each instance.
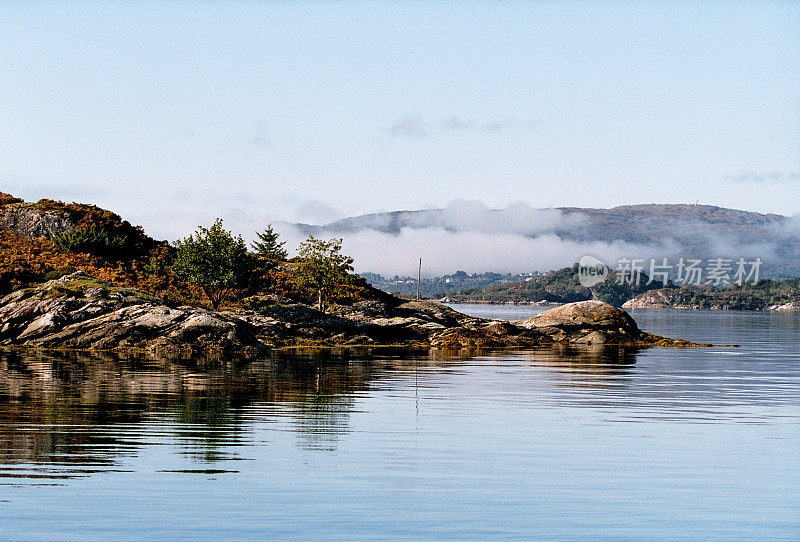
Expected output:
(91, 241)
(157, 267)
(324, 268)
(268, 245)
(214, 259)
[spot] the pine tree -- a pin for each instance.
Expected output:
(268, 245)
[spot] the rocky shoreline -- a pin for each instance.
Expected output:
(686, 299)
(80, 312)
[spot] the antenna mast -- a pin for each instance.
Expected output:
(419, 277)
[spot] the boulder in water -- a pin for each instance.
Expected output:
(586, 322)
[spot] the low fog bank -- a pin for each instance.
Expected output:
(445, 252)
(469, 236)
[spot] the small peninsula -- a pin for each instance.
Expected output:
(77, 276)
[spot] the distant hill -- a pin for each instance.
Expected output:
(697, 231)
(633, 223)
(560, 286)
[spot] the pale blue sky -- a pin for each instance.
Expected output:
(307, 111)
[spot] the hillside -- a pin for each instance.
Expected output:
(633, 223)
(765, 295)
(562, 286)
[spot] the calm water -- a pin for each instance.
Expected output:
(661, 443)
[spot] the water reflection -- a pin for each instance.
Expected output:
(597, 360)
(83, 411)
(66, 414)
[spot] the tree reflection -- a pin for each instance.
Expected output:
(82, 412)
(76, 409)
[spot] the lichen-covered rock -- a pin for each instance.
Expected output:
(77, 311)
(501, 329)
(460, 338)
(586, 322)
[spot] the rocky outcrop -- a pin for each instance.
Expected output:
(792, 306)
(77, 311)
(594, 323)
(80, 312)
(29, 221)
(698, 298)
(658, 299)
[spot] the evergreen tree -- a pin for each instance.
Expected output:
(268, 245)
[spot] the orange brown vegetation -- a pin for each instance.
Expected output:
(25, 262)
(8, 198)
(145, 263)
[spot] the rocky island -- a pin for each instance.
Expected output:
(77, 311)
(78, 277)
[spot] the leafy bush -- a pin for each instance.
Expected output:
(213, 259)
(156, 266)
(324, 268)
(91, 241)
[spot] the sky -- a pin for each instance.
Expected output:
(173, 113)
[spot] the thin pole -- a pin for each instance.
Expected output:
(419, 277)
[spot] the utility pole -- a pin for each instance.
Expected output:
(419, 277)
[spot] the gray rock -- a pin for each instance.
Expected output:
(80, 312)
(27, 220)
(791, 306)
